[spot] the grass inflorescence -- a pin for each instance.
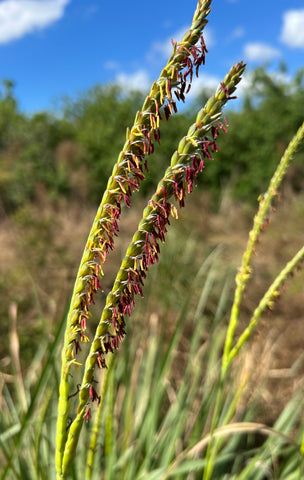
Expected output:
(126, 177)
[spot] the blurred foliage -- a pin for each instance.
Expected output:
(99, 120)
(28, 153)
(71, 155)
(258, 135)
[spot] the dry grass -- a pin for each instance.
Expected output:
(38, 260)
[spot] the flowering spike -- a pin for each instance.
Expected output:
(144, 249)
(125, 179)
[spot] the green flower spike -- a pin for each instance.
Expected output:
(243, 275)
(126, 176)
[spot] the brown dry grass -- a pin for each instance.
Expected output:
(275, 355)
(42, 245)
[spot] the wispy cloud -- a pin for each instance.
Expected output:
(19, 17)
(161, 49)
(260, 52)
(139, 80)
(91, 10)
(293, 28)
(238, 32)
(111, 65)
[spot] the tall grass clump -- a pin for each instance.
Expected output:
(148, 410)
(143, 251)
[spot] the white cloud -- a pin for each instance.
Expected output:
(293, 28)
(208, 84)
(204, 83)
(260, 52)
(19, 17)
(139, 80)
(248, 80)
(163, 48)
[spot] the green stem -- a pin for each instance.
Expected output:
(215, 443)
(97, 419)
(266, 303)
(245, 270)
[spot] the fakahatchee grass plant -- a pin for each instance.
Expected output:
(198, 145)
(197, 434)
(127, 174)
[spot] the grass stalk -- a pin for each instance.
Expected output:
(15, 353)
(97, 420)
(266, 303)
(265, 202)
(242, 277)
(43, 378)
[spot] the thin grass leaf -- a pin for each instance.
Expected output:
(46, 371)
(97, 421)
(270, 449)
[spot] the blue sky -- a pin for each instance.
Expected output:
(56, 48)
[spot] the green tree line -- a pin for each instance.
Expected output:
(71, 154)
